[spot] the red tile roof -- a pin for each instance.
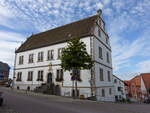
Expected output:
(127, 82)
(146, 79)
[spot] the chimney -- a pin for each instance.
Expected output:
(99, 12)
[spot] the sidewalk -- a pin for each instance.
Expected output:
(5, 109)
(46, 96)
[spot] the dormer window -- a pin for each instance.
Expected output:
(106, 40)
(102, 25)
(99, 32)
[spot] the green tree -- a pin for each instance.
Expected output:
(75, 58)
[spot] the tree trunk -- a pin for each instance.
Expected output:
(76, 89)
(73, 89)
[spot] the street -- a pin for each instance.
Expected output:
(26, 103)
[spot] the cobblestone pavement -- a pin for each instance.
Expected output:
(6, 109)
(37, 103)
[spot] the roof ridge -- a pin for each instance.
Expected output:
(63, 25)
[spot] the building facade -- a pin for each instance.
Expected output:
(38, 60)
(119, 89)
(4, 73)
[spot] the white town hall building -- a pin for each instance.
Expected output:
(37, 60)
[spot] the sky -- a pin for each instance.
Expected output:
(127, 24)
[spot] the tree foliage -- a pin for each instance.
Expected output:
(75, 56)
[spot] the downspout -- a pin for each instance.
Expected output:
(92, 81)
(13, 83)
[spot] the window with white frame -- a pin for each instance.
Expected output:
(100, 53)
(31, 58)
(21, 59)
(40, 56)
(50, 55)
(101, 74)
(40, 75)
(103, 92)
(30, 76)
(110, 91)
(109, 77)
(19, 76)
(60, 52)
(59, 75)
(107, 55)
(99, 32)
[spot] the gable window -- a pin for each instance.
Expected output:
(101, 75)
(31, 58)
(19, 76)
(107, 55)
(108, 74)
(99, 32)
(106, 40)
(102, 25)
(59, 52)
(40, 56)
(59, 76)
(103, 93)
(50, 55)
(21, 58)
(30, 76)
(100, 53)
(110, 91)
(40, 76)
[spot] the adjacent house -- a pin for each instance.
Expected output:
(127, 88)
(139, 87)
(4, 73)
(119, 88)
(38, 60)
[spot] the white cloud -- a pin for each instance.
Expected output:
(10, 36)
(99, 5)
(8, 42)
(144, 66)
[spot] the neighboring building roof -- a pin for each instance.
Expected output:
(146, 79)
(136, 81)
(4, 66)
(76, 29)
(127, 82)
(118, 78)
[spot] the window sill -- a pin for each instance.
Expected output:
(39, 61)
(101, 58)
(50, 59)
(30, 62)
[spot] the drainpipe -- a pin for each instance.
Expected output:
(13, 83)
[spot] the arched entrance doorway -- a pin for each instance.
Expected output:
(49, 78)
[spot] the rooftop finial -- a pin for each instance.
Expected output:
(99, 12)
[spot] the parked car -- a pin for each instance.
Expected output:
(1, 99)
(147, 101)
